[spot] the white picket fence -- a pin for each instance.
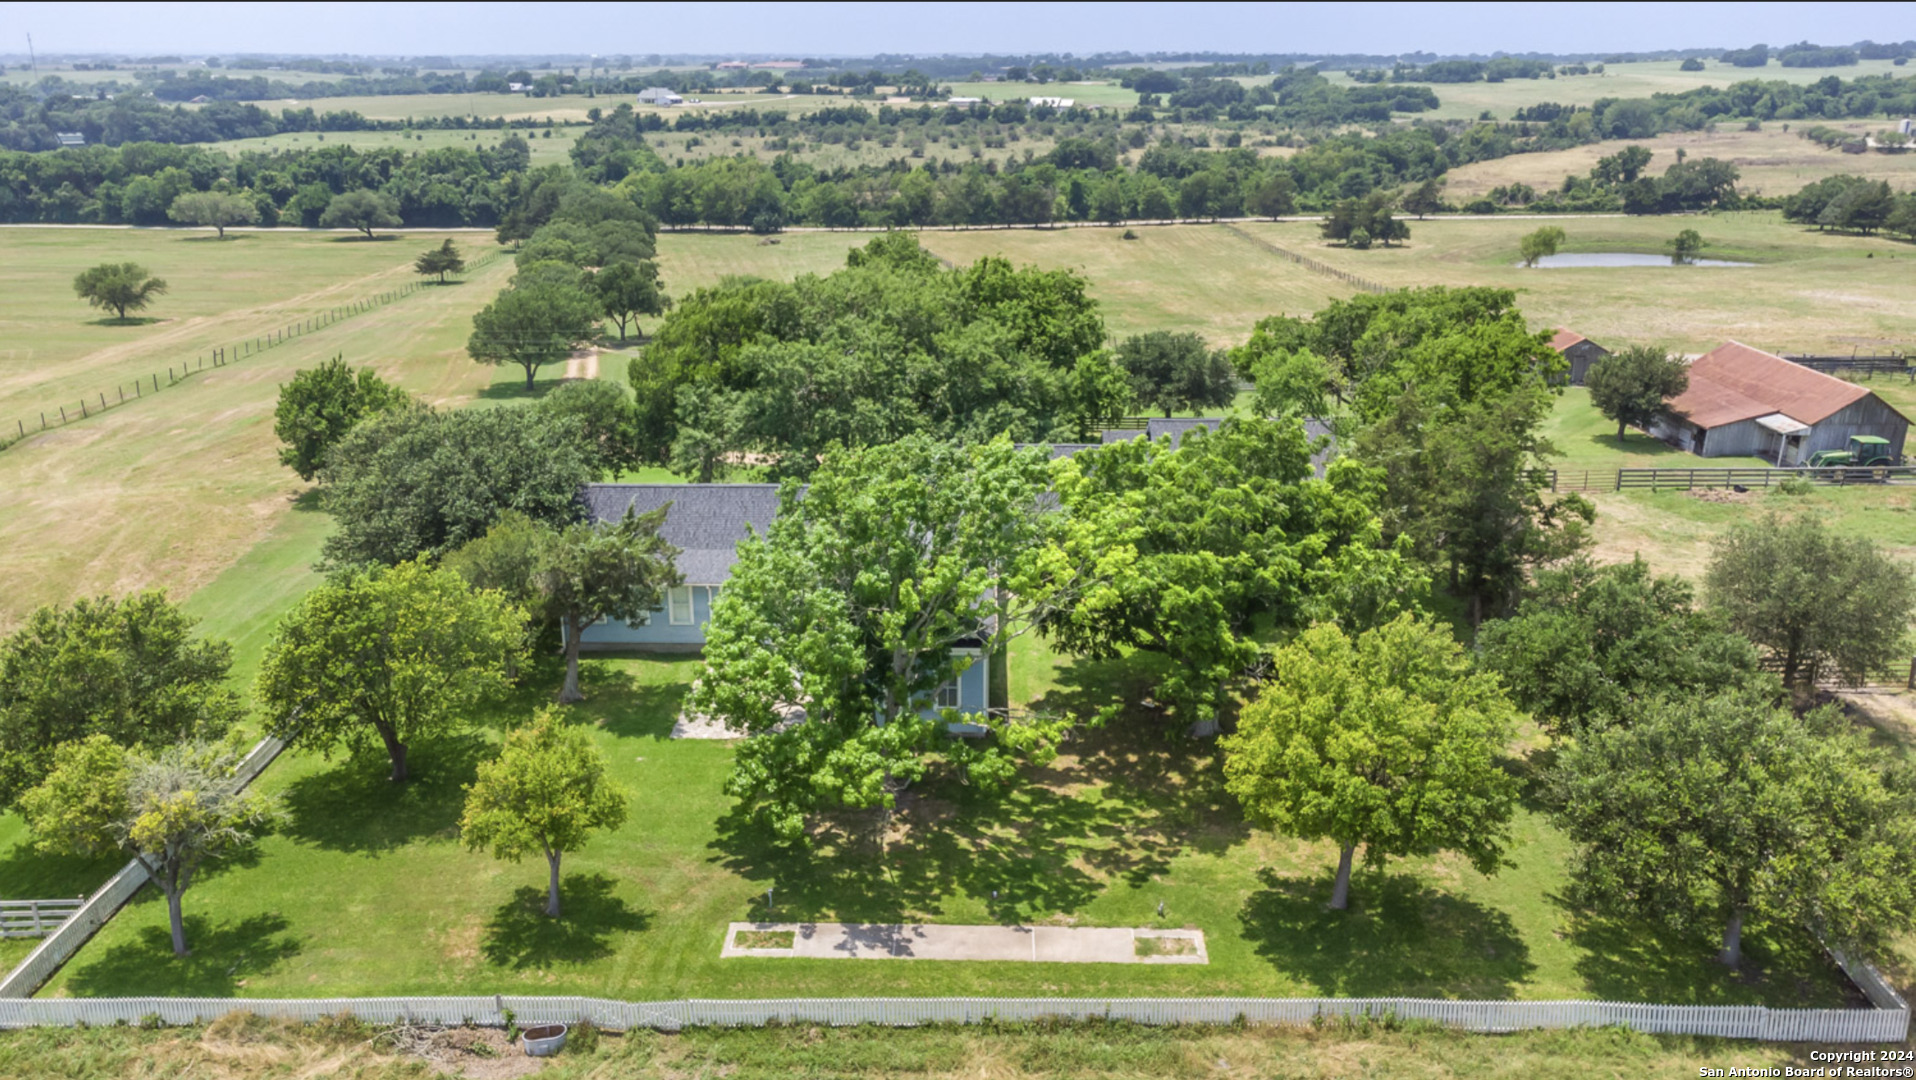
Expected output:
(1724, 1021)
(62, 943)
(35, 918)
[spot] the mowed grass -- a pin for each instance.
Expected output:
(242, 1048)
(545, 150)
(570, 109)
(1465, 101)
(55, 349)
(368, 891)
(1771, 161)
(173, 490)
(1810, 292)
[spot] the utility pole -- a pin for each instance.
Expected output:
(32, 59)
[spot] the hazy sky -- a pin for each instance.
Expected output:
(855, 29)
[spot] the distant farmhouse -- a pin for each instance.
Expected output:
(1580, 351)
(659, 95)
(71, 138)
(1746, 402)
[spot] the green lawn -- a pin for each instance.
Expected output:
(1587, 440)
(366, 890)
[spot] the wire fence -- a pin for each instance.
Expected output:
(1721, 1021)
(1308, 263)
(218, 357)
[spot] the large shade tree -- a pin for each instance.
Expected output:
(1387, 741)
(123, 287)
(1173, 371)
(853, 603)
(1633, 386)
(1215, 545)
(545, 794)
(1818, 601)
(533, 325)
(420, 481)
(322, 404)
(217, 209)
(589, 572)
(130, 670)
(1591, 643)
(377, 659)
(1729, 813)
(174, 810)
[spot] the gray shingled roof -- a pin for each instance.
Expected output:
(705, 523)
(1058, 450)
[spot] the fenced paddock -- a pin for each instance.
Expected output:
(1723, 1021)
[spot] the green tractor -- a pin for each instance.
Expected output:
(1862, 451)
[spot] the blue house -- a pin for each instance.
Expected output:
(706, 522)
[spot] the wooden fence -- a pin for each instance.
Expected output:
(35, 918)
(1870, 366)
(220, 356)
(1723, 1021)
(1683, 479)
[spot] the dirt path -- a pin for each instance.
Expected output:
(583, 364)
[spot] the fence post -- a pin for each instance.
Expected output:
(1911, 684)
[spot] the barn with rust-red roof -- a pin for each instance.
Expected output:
(1744, 402)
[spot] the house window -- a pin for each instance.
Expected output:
(678, 602)
(947, 697)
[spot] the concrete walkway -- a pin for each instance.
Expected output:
(1044, 944)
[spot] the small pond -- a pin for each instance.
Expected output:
(1622, 258)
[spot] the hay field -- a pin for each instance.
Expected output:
(54, 348)
(173, 490)
(1772, 161)
(1465, 101)
(1810, 291)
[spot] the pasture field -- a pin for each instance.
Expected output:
(1089, 92)
(172, 491)
(366, 889)
(54, 348)
(240, 1048)
(1466, 101)
(1771, 161)
(1810, 291)
(544, 151)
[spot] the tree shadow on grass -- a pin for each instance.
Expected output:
(1056, 841)
(516, 389)
(1632, 960)
(362, 238)
(224, 956)
(28, 874)
(520, 935)
(354, 807)
(130, 320)
(1399, 938)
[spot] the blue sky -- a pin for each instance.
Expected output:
(856, 29)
